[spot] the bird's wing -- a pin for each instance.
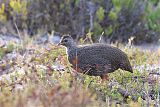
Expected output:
(94, 62)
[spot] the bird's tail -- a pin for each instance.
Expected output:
(130, 69)
(127, 66)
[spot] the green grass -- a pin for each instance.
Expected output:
(33, 82)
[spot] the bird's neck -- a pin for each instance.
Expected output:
(72, 47)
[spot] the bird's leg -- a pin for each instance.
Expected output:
(104, 77)
(74, 73)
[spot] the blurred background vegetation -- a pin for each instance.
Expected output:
(115, 19)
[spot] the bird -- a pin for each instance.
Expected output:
(95, 59)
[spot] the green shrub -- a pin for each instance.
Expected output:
(118, 19)
(2, 13)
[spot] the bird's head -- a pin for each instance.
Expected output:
(67, 41)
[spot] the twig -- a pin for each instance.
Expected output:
(101, 40)
(21, 41)
(154, 73)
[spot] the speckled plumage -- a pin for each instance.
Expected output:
(95, 59)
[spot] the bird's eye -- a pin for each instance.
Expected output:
(65, 40)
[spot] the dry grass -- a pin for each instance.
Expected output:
(33, 80)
